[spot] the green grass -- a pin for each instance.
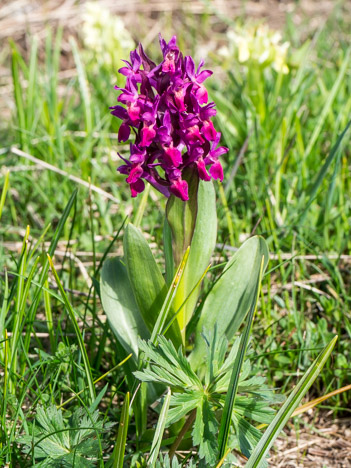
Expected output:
(292, 186)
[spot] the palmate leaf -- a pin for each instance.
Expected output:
(167, 365)
(190, 393)
(205, 431)
(254, 409)
(56, 442)
(207, 396)
(248, 436)
(165, 462)
(182, 404)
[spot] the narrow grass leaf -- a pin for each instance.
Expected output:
(314, 188)
(167, 305)
(161, 423)
(73, 319)
(311, 404)
(84, 88)
(45, 267)
(18, 316)
(95, 381)
(119, 450)
(288, 408)
(4, 192)
(328, 104)
(21, 119)
(142, 205)
(238, 363)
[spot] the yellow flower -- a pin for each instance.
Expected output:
(105, 34)
(258, 44)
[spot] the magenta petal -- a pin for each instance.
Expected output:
(190, 66)
(125, 71)
(201, 94)
(173, 156)
(168, 65)
(180, 189)
(209, 131)
(119, 112)
(134, 112)
(135, 174)
(201, 168)
(123, 132)
(216, 171)
(203, 76)
(166, 106)
(194, 135)
(137, 187)
(147, 136)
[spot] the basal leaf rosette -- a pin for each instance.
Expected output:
(167, 108)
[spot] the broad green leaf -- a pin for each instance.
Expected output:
(230, 299)
(181, 217)
(120, 306)
(147, 282)
(161, 423)
(289, 407)
(195, 225)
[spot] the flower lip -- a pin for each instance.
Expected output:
(167, 106)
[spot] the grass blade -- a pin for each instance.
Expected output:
(328, 104)
(118, 452)
(234, 379)
(156, 442)
(43, 275)
(323, 171)
(84, 88)
(95, 381)
(311, 404)
(21, 117)
(72, 316)
(4, 192)
(167, 304)
(289, 407)
(141, 208)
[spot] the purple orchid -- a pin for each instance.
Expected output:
(167, 106)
